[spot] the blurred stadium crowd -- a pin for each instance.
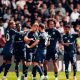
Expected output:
(27, 12)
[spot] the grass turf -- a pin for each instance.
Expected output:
(12, 76)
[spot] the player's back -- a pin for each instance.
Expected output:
(43, 37)
(9, 35)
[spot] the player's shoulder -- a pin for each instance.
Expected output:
(44, 33)
(56, 30)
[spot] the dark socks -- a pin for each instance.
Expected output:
(34, 71)
(17, 70)
(67, 74)
(1, 67)
(56, 74)
(25, 70)
(7, 66)
(74, 73)
(45, 72)
(39, 70)
(74, 69)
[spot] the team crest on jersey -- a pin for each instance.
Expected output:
(19, 38)
(65, 37)
(53, 33)
(68, 40)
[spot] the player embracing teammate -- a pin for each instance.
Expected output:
(37, 47)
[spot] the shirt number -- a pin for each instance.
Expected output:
(7, 37)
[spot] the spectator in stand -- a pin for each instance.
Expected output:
(45, 11)
(67, 17)
(78, 7)
(22, 19)
(1, 10)
(19, 10)
(21, 3)
(74, 15)
(61, 9)
(60, 28)
(13, 4)
(5, 24)
(52, 9)
(78, 20)
(2, 39)
(5, 2)
(7, 15)
(66, 6)
(57, 21)
(26, 11)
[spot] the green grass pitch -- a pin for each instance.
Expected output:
(12, 76)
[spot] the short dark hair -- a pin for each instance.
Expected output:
(52, 21)
(42, 26)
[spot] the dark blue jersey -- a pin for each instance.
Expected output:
(34, 36)
(70, 38)
(55, 36)
(10, 35)
(43, 40)
(19, 43)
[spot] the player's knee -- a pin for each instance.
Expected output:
(45, 62)
(55, 64)
(74, 67)
(27, 64)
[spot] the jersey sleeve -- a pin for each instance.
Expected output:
(17, 33)
(75, 35)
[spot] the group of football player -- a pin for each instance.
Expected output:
(36, 47)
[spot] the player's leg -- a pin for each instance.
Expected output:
(17, 69)
(45, 68)
(34, 70)
(26, 63)
(2, 66)
(55, 59)
(41, 58)
(8, 58)
(36, 66)
(73, 61)
(45, 64)
(7, 67)
(17, 60)
(66, 62)
(25, 70)
(55, 69)
(42, 54)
